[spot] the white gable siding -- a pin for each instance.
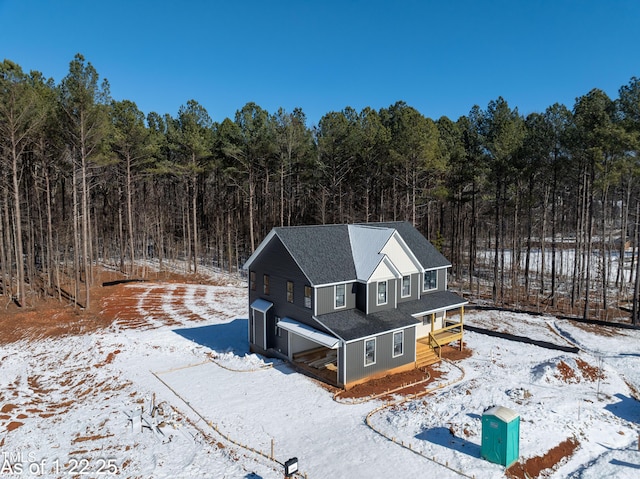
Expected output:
(382, 272)
(399, 257)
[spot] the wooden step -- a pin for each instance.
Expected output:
(426, 356)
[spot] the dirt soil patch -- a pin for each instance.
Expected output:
(589, 372)
(586, 372)
(532, 467)
(566, 373)
(48, 317)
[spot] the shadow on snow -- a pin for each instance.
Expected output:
(627, 408)
(228, 338)
(617, 462)
(223, 338)
(443, 437)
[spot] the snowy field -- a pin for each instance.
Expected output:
(84, 403)
(565, 259)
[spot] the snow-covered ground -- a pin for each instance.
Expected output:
(565, 260)
(74, 402)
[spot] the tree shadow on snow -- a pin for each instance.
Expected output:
(443, 437)
(627, 408)
(252, 475)
(617, 462)
(222, 338)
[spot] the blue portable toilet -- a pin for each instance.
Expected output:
(500, 436)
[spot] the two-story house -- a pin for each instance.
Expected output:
(349, 303)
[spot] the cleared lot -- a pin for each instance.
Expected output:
(182, 347)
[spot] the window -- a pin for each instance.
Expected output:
(340, 296)
(430, 280)
(382, 292)
(406, 286)
(369, 351)
(290, 291)
(307, 297)
(398, 344)
(252, 280)
(265, 284)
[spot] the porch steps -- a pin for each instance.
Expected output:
(425, 356)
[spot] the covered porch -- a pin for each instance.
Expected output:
(451, 330)
(312, 351)
(442, 317)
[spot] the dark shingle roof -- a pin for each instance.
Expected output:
(354, 324)
(322, 252)
(426, 253)
(436, 301)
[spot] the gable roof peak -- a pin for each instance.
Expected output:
(345, 252)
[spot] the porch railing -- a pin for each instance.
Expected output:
(433, 342)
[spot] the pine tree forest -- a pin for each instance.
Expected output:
(540, 212)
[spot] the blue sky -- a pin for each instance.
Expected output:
(441, 57)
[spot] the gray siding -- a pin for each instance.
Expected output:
(385, 361)
(282, 342)
(416, 284)
(373, 296)
(326, 299)
(442, 281)
(278, 264)
(361, 297)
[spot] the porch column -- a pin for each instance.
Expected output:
(461, 326)
(433, 321)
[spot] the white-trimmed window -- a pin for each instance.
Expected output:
(369, 351)
(340, 300)
(398, 343)
(307, 296)
(406, 286)
(430, 280)
(382, 293)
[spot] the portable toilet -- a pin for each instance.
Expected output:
(500, 435)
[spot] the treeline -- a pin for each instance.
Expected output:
(540, 209)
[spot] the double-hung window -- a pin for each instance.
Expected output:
(307, 296)
(252, 280)
(430, 280)
(382, 293)
(290, 291)
(406, 286)
(369, 351)
(398, 343)
(265, 284)
(340, 296)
